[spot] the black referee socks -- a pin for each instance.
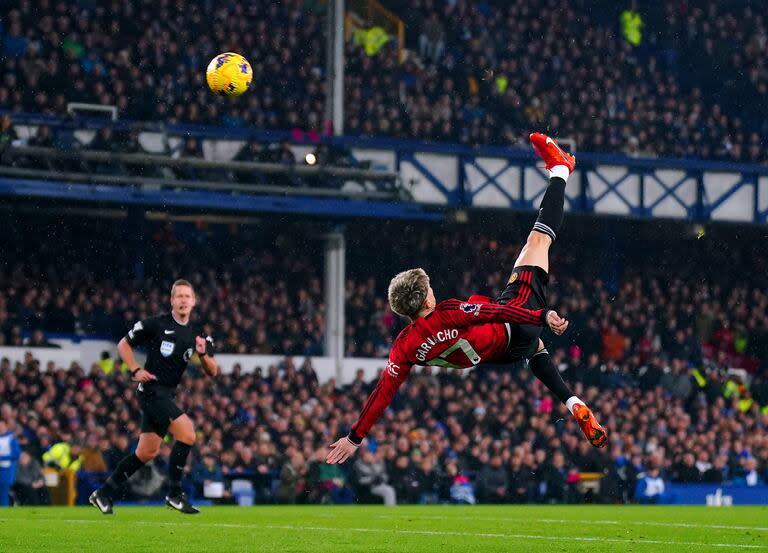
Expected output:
(550, 217)
(123, 471)
(543, 369)
(177, 462)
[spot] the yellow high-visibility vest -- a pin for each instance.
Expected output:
(60, 455)
(107, 365)
(745, 404)
(701, 380)
(372, 40)
(632, 27)
(502, 83)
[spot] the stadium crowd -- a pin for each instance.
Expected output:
(264, 302)
(482, 73)
(706, 311)
(493, 436)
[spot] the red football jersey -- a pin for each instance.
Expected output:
(456, 334)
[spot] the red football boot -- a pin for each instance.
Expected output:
(595, 433)
(548, 150)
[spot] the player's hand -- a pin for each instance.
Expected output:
(200, 346)
(143, 375)
(341, 450)
(556, 322)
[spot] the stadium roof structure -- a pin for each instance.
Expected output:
(390, 179)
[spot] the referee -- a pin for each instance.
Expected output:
(170, 340)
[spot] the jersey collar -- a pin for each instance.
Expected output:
(175, 320)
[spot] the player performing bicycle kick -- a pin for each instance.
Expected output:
(462, 334)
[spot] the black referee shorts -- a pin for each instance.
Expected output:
(158, 408)
(527, 287)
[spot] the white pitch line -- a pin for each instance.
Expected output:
(508, 536)
(579, 521)
(405, 532)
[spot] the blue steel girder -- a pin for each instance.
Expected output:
(761, 216)
(575, 203)
(613, 187)
(707, 208)
(453, 196)
(544, 173)
(490, 180)
(670, 191)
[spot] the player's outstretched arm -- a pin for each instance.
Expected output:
(393, 376)
(341, 450)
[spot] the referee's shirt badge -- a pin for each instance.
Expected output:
(166, 348)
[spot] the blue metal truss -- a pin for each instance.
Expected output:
(612, 188)
(541, 192)
(453, 196)
(670, 191)
(761, 216)
(490, 180)
(708, 208)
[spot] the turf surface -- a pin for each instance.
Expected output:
(408, 528)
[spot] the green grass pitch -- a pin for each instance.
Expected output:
(443, 529)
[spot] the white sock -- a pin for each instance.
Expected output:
(573, 400)
(561, 171)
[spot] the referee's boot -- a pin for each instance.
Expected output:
(101, 501)
(181, 503)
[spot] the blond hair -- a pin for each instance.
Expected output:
(182, 282)
(408, 291)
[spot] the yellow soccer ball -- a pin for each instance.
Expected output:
(229, 74)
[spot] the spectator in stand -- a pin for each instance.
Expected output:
(749, 475)
(292, 480)
(371, 476)
(651, 487)
(206, 472)
(9, 456)
(686, 470)
(8, 136)
(38, 340)
(29, 487)
(493, 482)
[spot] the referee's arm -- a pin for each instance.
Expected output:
(141, 332)
(204, 348)
(126, 354)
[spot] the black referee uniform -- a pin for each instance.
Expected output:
(169, 346)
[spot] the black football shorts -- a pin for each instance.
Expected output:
(527, 287)
(158, 408)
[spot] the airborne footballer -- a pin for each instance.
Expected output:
(170, 340)
(461, 334)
